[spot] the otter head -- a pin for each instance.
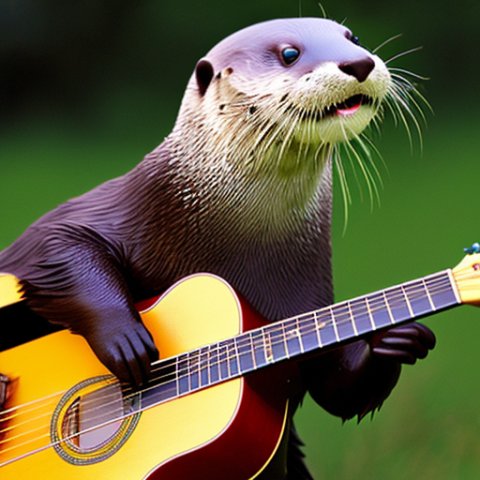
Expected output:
(302, 82)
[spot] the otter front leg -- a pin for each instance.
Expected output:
(356, 379)
(78, 285)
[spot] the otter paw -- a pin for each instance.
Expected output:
(405, 344)
(127, 352)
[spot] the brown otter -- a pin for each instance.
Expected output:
(240, 188)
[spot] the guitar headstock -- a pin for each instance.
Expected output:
(467, 276)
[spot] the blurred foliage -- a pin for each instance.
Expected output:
(88, 87)
(73, 54)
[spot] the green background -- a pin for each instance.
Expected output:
(87, 88)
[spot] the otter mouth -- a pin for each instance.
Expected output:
(343, 109)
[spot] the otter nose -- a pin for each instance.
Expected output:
(360, 69)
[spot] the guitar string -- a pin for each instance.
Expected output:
(324, 317)
(199, 387)
(278, 336)
(122, 417)
(202, 365)
(96, 427)
(274, 327)
(329, 321)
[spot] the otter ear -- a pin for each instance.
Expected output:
(204, 74)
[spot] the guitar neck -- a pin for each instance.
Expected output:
(296, 336)
(347, 320)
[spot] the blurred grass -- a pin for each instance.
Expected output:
(430, 427)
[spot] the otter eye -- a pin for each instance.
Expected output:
(353, 38)
(290, 55)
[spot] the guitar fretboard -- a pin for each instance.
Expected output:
(302, 334)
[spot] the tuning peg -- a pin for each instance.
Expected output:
(475, 248)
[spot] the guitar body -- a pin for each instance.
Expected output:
(230, 430)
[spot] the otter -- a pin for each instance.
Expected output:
(241, 188)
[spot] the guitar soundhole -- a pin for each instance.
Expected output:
(93, 420)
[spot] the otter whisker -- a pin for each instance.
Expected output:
(322, 10)
(344, 188)
(365, 144)
(328, 153)
(402, 54)
(386, 42)
(388, 102)
(369, 179)
(305, 132)
(347, 154)
(410, 91)
(401, 104)
(373, 147)
(410, 99)
(287, 142)
(269, 136)
(408, 72)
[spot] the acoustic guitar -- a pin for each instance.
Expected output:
(212, 408)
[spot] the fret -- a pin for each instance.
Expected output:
(389, 311)
(360, 315)
(177, 375)
(299, 335)
(432, 306)
(223, 360)
(441, 290)
(344, 321)
(193, 370)
(283, 335)
(417, 296)
(204, 367)
(183, 381)
(252, 346)
(354, 325)
(326, 329)
(334, 323)
(309, 332)
(453, 286)
(409, 305)
(317, 329)
(379, 310)
(232, 354)
(293, 337)
(259, 348)
(206, 364)
(397, 303)
(369, 311)
(214, 364)
(243, 346)
(268, 346)
(277, 342)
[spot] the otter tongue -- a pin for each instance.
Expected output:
(345, 112)
(349, 107)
